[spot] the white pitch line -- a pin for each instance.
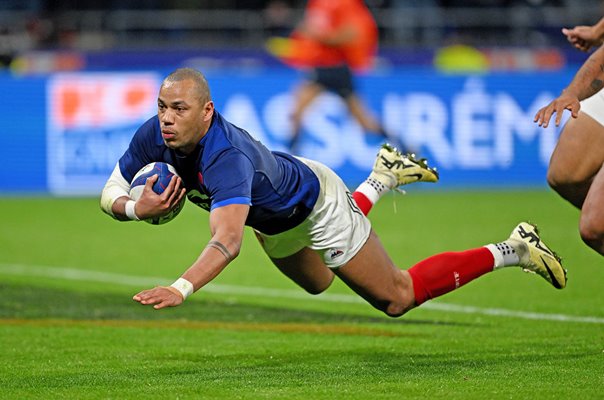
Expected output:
(144, 281)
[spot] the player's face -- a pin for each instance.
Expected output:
(183, 117)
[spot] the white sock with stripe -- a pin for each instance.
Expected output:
(504, 253)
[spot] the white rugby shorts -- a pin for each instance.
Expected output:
(594, 107)
(336, 228)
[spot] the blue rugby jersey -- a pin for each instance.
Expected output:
(230, 167)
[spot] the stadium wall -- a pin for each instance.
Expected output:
(63, 133)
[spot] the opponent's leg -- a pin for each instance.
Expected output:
(577, 158)
(591, 224)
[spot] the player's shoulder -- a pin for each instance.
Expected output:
(223, 136)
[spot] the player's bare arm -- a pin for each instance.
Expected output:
(585, 37)
(587, 82)
(227, 227)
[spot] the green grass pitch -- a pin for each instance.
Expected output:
(69, 329)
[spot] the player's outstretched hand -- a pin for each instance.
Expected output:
(159, 297)
(566, 101)
(582, 37)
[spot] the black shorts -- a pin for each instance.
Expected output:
(336, 79)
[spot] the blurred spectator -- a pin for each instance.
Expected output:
(277, 18)
(42, 31)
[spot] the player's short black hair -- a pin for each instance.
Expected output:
(201, 83)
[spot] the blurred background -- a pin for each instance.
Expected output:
(458, 81)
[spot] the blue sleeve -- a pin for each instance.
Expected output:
(229, 179)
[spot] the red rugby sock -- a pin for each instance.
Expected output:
(363, 202)
(445, 272)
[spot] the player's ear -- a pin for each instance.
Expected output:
(208, 110)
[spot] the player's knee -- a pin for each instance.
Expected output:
(557, 181)
(402, 299)
(314, 290)
(591, 230)
(395, 309)
(398, 307)
(551, 179)
(568, 187)
(318, 286)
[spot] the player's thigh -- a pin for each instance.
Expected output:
(579, 153)
(372, 274)
(307, 269)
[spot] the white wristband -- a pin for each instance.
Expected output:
(184, 287)
(130, 210)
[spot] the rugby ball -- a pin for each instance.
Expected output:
(165, 172)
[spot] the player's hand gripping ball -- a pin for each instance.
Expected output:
(164, 173)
